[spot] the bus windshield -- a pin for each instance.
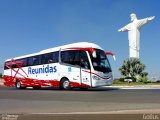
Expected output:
(100, 63)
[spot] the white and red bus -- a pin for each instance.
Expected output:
(80, 65)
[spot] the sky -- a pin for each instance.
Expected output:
(29, 26)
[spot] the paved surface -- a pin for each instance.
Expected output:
(1, 82)
(48, 100)
(99, 102)
(82, 117)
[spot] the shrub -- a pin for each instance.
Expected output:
(131, 68)
(121, 79)
(143, 79)
(0, 75)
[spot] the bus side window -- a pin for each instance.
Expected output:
(36, 60)
(14, 65)
(25, 62)
(42, 58)
(33, 60)
(70, 57)
(48, 58)
(84, 62)
(65, 57)
(55, 56)
(5, 65)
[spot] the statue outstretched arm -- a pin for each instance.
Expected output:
(144, 21)
(150, 18)
(125, 28)
(121, 30)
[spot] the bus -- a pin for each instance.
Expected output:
(83, 65)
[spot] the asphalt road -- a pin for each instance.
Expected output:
(49, 101)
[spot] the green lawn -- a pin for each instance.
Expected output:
(119, 83)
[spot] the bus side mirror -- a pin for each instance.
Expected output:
(110, 53)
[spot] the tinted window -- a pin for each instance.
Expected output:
(55, 57)
(100, 63)
(33, 61)
(70, 57)
(5, 65)
(49, 58)
(25, 60)
(84, 60)
(16, 63)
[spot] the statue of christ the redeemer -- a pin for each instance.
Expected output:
(133, 30)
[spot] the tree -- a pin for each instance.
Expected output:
(0, 75)
(133, 67)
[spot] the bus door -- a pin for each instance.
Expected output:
(85, 70)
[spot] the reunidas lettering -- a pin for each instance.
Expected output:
(44, 69)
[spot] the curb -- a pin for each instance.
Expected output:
(121, 87)
(1, 82)
(136, 87)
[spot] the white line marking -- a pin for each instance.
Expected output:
(154, 111)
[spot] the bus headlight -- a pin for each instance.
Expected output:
(96, 77)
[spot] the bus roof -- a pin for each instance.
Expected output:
(73, 45)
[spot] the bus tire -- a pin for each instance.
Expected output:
(65, 84)
(19, 85)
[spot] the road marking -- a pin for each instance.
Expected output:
(135, 87)
(149, 111)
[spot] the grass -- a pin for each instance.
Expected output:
(119, 83)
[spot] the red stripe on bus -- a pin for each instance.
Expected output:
(95, 74)
(29, 82)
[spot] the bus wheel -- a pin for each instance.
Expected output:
(65, 84)
(18, 85)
